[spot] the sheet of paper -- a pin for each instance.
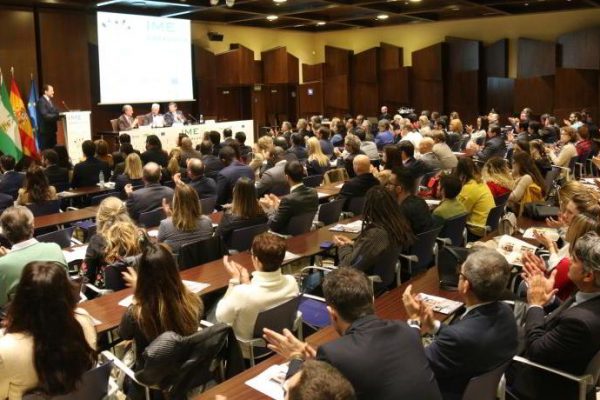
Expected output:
(270, 381)
(340, 185)
(195, 287)
(95, 321)
(352, 227)
(126, 302)
(550, 232)
(321, 195)
(66, 193)
(432, 202)
(440, 304)
(290, 256)
(153, 233)
(215, 225)
(75, 253)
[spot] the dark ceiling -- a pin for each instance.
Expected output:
(319, 15)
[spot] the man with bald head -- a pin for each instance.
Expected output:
(150, 197)
(362, 181)
(203, 185)
(127, 121)
(428, 157)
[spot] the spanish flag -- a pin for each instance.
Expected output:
(25, 129)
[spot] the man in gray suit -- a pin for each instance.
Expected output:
(174, 116)
(127, 121)
(150, 197)
(428, 157)
(154, 118)
(274, 180)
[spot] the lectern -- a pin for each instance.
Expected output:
(77, 129)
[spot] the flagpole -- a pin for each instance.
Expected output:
(12, 71)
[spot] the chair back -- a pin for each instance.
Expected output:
(44, 208)
(208, 205)
(485, 386)
(114, 124)
(593, 368)
(312, 180)
(113, 275)
(449, 260)
(300, 224)
(329, 213)
(423, 249)
(93, 386)
(551, 177)
(277, 318)
(97, 199)
(150, 219)
(200, 252)
(61, 237)
(335, 175)
(572, 162)
(61, 187)
(502, 200)
(493, 218)
(241, 239)
(355, 205)
(385, 268)
(453, 229)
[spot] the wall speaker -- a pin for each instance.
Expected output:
(215, 36)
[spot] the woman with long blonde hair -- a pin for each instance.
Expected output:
(123, 239)
(131, 174)
(185, 222)
(261, 151)
(161, 302)
(110, 211)
(174, 161)
(318, 163)
(498, 177)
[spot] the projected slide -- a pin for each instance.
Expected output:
(144, 59)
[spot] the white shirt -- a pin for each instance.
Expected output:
(24, 244)
(158, 121)
(413, 137)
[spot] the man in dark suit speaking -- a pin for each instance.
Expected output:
(48, 118)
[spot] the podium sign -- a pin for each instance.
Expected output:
(77, 129)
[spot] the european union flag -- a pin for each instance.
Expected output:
(32, 110)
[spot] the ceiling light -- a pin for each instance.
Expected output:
(415, 1)
(279, 1)
(321, 23)
(106, 3)
(272, 17)
(382, 17)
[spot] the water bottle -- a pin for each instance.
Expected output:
(101, 178)
(201, 120)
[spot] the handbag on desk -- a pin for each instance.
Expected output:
(540, 210)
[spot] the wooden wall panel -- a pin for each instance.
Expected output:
(575, 89)
(394, 87)
(462, 84)
(233, 103)
(258, 71)
(364, 66)
(337, 81)
(496, 59)
(364, 98)
(535, 58)
(315, 72)
(427, 95)
(17, 47)
(500, 95)
(428, 63)
(205, 74)
(580, 49)
(310, 99)
(64, 56)
(536, 93)
(259, 111)
(235, 67)
(337, 61)
(293, 69)
(391, 57)
(279, 66)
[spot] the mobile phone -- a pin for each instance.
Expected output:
(326, 245)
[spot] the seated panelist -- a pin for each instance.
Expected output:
(154, 118)
(127, 121)
(174, 116)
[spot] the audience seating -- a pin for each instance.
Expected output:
(312, 180)
(61, 237)
(114, 124)
(502, 200)
(200, 252)
(94, 385)
(45, 208)
(420, 254)
(550, 179)
(241, 239)
(356, 205)
(208, 205)
(453, 230)
(330, 212)
(448, 261)
(150, 219)
(300, 224)
(277, 318)
(485, 386)
(335, 175)
(97, 199)
(491, 224)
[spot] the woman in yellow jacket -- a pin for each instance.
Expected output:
(475, 196)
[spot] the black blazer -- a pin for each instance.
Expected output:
(230, 222)
(227, 178)
(357, 187)
(417, 213)
(383, 360)
(147, 199)
(48, 116)
(299, 151)
(158, 156)
(479, 342)
(314, 168)
(301, 200)
(204, 186)
(86, 173)
(11, 182)
(6, 201)
(494, 147)
(566, 339)
(212, 166)
(123, 180)
(57, 176)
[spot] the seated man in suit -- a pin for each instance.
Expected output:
(87, 172)
(204, 186)
(569, 337)
(274, 180)
(481, 337)
(319, 380)
(416, 210)
(245, 150)
(298, 147)
(407, 152)
(494, 145)
(10, 180)
(301, 200)
(361, 183)
(154, 118)
(212, 164)
(227, 177)
(127, 121)
(382, 359)
(17, 227)
(428, 157)
(174, 116)
(57, 176)
(151, 196)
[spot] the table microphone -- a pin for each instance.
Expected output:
(65, 105)
(192, 117)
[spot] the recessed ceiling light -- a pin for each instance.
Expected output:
(382, 17)
(279, 1)
(321, 23)
(272, 17)
(415, 1)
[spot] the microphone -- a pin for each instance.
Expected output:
(192, 117)
(65, 105)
